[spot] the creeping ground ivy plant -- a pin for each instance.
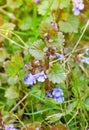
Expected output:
(44, 63)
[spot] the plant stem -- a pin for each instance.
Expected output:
(13, 42)
(74, 49)
(47, 83)
(19, 39)
(13, 109)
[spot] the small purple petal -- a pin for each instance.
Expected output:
(36, 1)
(48, 94)
(9, 127)
(86, 61)
(59, 56)
(41, 76)
(76, 11)
(26, 66)
(87, 51)
(81, 6)
(77, 6)
(30, 79)
(57, 92)
(59, 99)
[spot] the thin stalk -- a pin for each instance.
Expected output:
(13, 42)
(14, 108)
(19, 39)
(19, 121)
(47, 82)
(74, 49)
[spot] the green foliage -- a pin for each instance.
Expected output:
(14, 3)
(42, 8)
(6, 28)
(11, 93)
(64, 3)
(25, 24)
(56, 74)
(87, 103)
(36, 49)
(32, 34)
(3, 54)
(71, 25)
(14, 66)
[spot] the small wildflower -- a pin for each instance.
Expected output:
(59, 99)
(87, 51)
(59, 56)
(86, 60)
(52, 56)
(37, 62)
(9, 127)
(41, 76)
(49, 94)
(30, 79)
(54, 25)
(56, 94)
(36, 1)
(76, 11)
(77, 6)
(26, 66)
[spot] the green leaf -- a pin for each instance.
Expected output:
(87, 103)
(11, 102)
(25, 23)
(13, 67)
(58, 41)
(47, 29)
(12, 80)
(3, 54)
(11, 93)
(6, 28)
(36, 49)
(71, 25)
(42, 8)
(14, 3)
(56, 74)
(64, 3)
(60, 4)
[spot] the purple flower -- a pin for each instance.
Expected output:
(36, 1)
(76, 11)
(77, 6)
(9, 127)
(56, 94)
(54, 25)
(49, 94)
(59, 56)
(41, 76)
(30, 79)
(26, 66)
(86, 60)
(59, 99)
(87, 51)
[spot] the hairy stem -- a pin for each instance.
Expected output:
(47, 84)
